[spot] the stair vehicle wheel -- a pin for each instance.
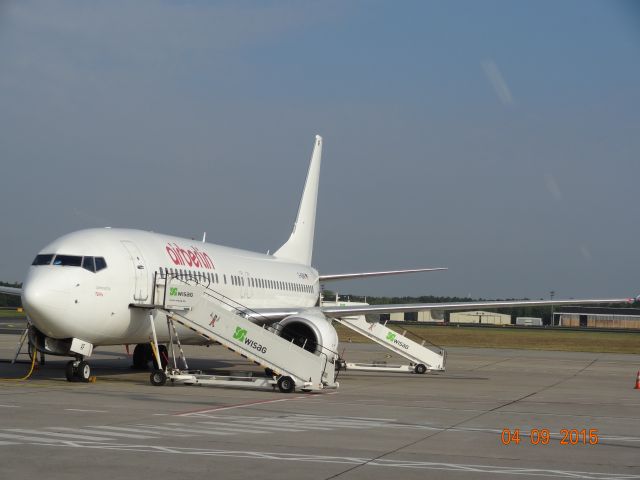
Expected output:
(83, 371)
(158, 378)
(420, 368)
(70, 371)
(286, 384)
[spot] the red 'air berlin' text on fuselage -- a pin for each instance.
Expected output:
(191, 257)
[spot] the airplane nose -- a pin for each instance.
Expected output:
(45, 305)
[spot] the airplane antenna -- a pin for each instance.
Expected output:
(204, 237)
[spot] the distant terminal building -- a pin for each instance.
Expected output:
(425, 316)
(438, 316)
(529, 321)
(595, 317)
(483, 318)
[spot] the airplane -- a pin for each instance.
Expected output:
(83, 287)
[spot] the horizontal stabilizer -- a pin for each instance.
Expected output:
(349, 276)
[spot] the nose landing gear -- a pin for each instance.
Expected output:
(78, 371)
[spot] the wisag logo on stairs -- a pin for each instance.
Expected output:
(241, 336)
(392, 338)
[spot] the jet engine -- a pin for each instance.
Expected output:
(312, 331)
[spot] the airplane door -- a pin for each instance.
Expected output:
(141, 291)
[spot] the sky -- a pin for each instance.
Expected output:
(499, 139)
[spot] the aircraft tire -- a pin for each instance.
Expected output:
(164, 356)
(286, 384)
(83, 371)
(420, 369)
(158, 378)
(141, 354)
(69, 372)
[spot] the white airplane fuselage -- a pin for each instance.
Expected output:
(65, 300)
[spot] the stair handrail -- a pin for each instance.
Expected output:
(186, 278)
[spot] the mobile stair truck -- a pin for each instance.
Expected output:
(187, 302)
(422, 359)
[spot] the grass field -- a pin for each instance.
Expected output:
(543, 339)
(531, 339)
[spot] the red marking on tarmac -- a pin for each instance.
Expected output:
(247, 404)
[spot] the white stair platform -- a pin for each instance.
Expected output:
(421, 357)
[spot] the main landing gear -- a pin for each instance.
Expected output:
(143, 354)
(78, 371)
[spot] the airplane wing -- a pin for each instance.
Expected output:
(341, 311)
(11, 291)
(267, 315)
(349, 276)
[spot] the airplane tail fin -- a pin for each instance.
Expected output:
(299, 247)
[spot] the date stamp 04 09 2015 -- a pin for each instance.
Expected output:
(542, 436)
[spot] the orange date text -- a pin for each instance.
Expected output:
(542, 436)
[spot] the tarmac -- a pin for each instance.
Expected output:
(375, 426)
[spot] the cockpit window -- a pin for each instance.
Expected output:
(68, 260)
(101, 263)
(93, 264)
(87, 264)
(43, 259)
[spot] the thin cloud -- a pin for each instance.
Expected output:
(586, 253)
(552, 185)
(497, 81)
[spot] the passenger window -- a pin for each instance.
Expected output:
(87, 264)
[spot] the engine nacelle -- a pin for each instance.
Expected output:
(311, 331)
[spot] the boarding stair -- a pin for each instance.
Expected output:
(194, 305)
(423, 359)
